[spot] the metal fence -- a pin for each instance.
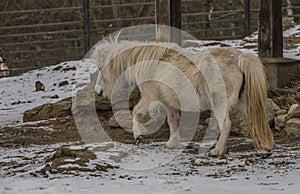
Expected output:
(44, 35)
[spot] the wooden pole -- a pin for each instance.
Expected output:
(168, 13)
(270, 38)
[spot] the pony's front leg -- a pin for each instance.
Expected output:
(220, 148)
(173, 121)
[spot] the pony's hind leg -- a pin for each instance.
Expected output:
(220, 147)
(173, 121)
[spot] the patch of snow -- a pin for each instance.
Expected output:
(17, 94)
(176, 176)
(295, 31)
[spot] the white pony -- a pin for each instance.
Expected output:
(157, 69)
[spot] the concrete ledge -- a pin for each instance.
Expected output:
(280, 71)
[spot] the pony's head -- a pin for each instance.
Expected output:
(102, 87)
(101, 54)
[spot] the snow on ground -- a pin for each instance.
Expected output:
(249, 44)
(186, 172)
(295, 31)
(17, 94)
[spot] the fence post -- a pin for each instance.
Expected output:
(168, 13)
(247, 17)
(86, 25)
(270, 38)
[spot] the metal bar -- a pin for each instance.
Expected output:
(43, 59)
(86, 25)
(123, 5)
(213, 21)
(40, 42)
(223, 38)
(123, 19)
(247, 17)
(293, 7)
(39, 33)
(217, 29)
(39, 25)
(40, 51)
(215, 12)
(39, 10)
(106, 29)
(21, 68)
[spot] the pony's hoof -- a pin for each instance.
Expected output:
(216, 152)
(172, 144)
(266, 154)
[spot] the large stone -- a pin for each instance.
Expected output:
(239, 125)
(272, 108)
(121, 118)
(280, 112)
(68, 160)
(280, 122)
(294, 111)
(49, 110)
(87, 100)
(292, 127)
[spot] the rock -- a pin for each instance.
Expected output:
(272, 108)
(280, 122)
(4, 68)
(39, 86)
(69, 69)
(103, 148)
(117, 158)
(113, 122)
(54, 96)
(292, 127)
(85, 101)
(239, 125)
(287, 23)
(68, 160)
(294, 111)
(49, 110)
(57, 68)
(124, 117)
(63, 83)
(280, 112)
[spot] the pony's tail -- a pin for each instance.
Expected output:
(255, 90)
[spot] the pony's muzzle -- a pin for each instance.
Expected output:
(100, 94)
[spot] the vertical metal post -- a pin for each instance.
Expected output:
(247, 17)
(86, 25)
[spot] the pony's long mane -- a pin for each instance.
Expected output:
(117, 56)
